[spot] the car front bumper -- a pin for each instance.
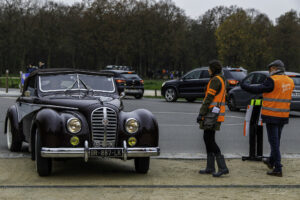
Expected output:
(86, 152)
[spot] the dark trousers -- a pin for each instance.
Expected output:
(210, 142)
(274, 135)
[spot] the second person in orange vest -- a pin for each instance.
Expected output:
(214, 101)
(277, 94)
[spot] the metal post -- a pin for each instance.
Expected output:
(256, 134)
(155, 92)
(21, 86)
(6, 83)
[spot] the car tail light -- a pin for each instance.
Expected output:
(142, 81)
(233, 82)
(120, 81)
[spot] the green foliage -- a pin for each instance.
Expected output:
(147, 35)
(153, 84)
(285, 40)
(12, 82)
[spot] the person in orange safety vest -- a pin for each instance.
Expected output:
(214, 102)
(277, 94)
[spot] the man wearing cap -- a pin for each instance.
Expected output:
(277, 94)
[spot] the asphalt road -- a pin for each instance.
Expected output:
(180, 135)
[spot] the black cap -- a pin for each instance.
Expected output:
(277, 63)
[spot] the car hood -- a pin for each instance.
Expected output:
(85, 103)
(171, 81)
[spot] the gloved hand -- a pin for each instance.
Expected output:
(199, 118)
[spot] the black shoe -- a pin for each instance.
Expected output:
(210, 165)
(267, 162)
(221, 165)
(206, 171)
(275, 173)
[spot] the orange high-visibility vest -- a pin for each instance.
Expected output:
(277, 103)
(219, 100)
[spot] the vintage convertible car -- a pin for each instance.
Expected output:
(67, 113)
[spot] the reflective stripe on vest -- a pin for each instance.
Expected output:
(219, 100)
(277, 103)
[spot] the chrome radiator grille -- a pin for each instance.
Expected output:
(104, 127)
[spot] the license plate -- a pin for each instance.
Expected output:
(106, 152)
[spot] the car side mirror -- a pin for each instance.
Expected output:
(122, 95)
(27, 93)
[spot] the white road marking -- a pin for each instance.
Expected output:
(191, 125)
(9, 97)
(184, 113)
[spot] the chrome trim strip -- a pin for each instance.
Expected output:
(62, 90)
(105, 125)
(125, 151)
(277, 100)
(50, 106)
(84, 152)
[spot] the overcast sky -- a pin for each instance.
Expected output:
(195, 8)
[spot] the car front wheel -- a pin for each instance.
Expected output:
(231, 104)
(170, 94)
(14, 144)
(43, 165)
(142, 165)
(138, 96)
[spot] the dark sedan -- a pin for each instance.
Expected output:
(239, 98)
(193, 84)
(67, 113)
(128, 82)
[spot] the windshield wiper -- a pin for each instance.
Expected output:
(89, 89)
(70, 88)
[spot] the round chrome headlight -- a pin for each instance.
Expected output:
(74, 125)
(131, 125)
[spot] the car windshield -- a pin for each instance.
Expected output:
(296, 80)
(63, 82)
(131, 76)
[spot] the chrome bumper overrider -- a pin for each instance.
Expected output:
(86, 152)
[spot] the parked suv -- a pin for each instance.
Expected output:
(193, 84)
(128, 82)
(239, 98)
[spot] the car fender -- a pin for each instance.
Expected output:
(12, 114)
(170, 86)
(148, 133)
(53, 129)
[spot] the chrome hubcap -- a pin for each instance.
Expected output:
(170, 94)
(8, 134)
